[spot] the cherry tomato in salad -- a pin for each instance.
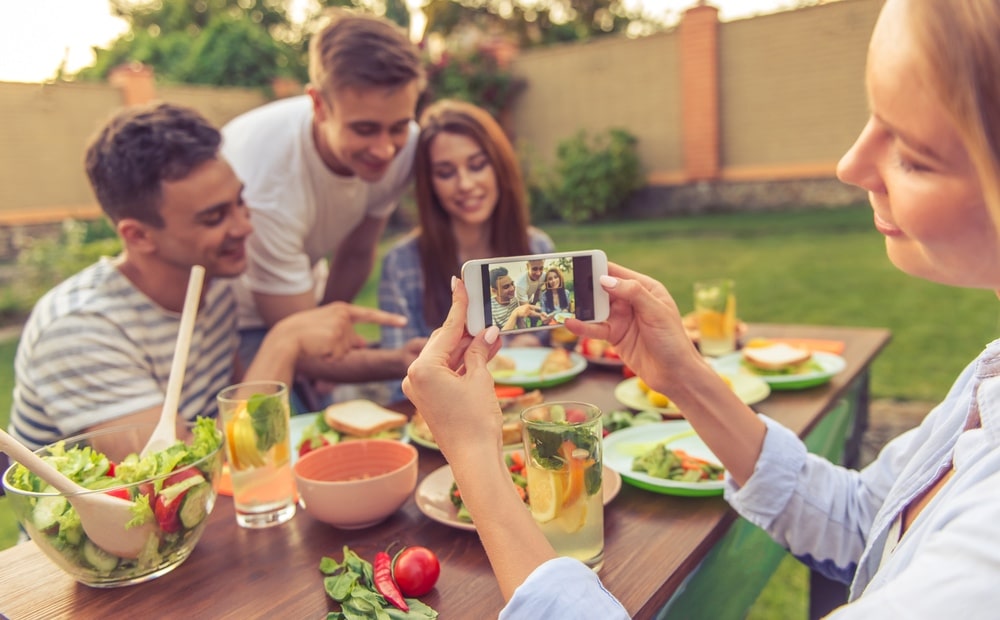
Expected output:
(416, 570)
(120, 493)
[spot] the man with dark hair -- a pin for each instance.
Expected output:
(323, 173)
(508, 313)
(98, 348)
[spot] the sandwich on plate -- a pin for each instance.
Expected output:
(779, 359)
(353, 419)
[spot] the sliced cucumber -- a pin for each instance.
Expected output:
(174, 491)
(99, 558)
(48, 510)
(194, 508)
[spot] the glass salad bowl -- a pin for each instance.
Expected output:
(174, 490)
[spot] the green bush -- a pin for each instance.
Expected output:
(594, 176)
(48, 261)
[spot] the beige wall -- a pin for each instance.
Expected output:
(792, 85)
(628, 83)
(45, 129)
(791, 90)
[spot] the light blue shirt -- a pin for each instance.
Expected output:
(836, 520)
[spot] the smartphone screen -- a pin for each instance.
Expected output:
(559, 287)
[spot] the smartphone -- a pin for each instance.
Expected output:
(534, 292)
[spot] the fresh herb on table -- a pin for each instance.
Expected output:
(352, 584)
(268, 417)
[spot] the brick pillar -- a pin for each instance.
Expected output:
(699, 55)
(135, 81)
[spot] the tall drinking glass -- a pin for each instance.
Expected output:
(715, 309)
(562, 442)
(258, 446)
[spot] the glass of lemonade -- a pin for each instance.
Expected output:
(254, 419)
(715, 309)
(562, 442)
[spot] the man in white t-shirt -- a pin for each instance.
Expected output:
(322, 174)
(528, 282)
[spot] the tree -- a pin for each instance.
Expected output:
(221, 42)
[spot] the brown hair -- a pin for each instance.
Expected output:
(959, 47)
(362, 51)
(140, 148)
(509, 223)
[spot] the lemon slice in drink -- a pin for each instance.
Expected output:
(545, 493)
(572, 517)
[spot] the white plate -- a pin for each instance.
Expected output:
(621, 448)
(297, 425)
(528, 361)
(829, 363)
(749, 388)
(432, 495)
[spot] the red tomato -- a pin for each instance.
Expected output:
(122, 493)
(627, 372)
(167, 514)
(416, 570)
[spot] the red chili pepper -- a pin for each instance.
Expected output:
(384, 583)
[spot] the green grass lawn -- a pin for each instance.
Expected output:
(825, 267)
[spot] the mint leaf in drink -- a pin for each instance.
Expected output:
(267, 415)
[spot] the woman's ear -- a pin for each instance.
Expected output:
(136, 236)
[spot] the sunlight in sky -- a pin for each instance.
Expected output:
(37, 36)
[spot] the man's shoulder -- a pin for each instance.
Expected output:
(262, 142)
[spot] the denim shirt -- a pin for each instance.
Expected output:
(837, 520)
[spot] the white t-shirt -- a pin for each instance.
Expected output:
(301, 211)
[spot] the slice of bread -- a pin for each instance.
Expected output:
(775, 356)
(361, 418)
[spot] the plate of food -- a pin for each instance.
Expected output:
(635, 394)
(667, 457)
(782, 366)
(437, 498)
(353, 419)
(513, 399)
(535, 367)
(599, 352)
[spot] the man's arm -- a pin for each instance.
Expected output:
(353, 262)
(365, 364)
(273, 308)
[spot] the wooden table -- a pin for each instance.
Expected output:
(652, 542)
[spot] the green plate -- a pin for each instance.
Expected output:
(527, 362)
(829, 364)
(621, 447)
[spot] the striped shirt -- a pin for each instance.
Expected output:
(95, 348)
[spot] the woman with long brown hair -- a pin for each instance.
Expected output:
(472, 204)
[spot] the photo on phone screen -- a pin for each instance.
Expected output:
(556, 288)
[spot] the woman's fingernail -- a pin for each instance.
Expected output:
(492, 332)
(609, 281)
(454, 283)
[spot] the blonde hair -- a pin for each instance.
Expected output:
(959, 48)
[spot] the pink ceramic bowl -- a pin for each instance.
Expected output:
(358, 483)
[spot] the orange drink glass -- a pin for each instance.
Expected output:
(715, 309)
(562, 445)
(254, 419)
